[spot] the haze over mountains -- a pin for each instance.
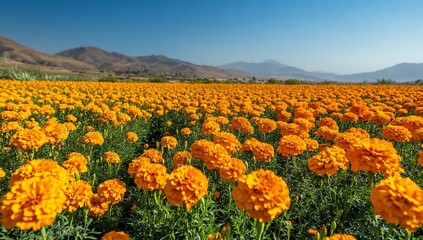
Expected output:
(84, 59)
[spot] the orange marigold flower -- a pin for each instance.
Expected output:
(381, 118)
(169, 141)
(340, 237)
(28, 139)
(32, 203)
(97, 206)
(71, 118)
(78, 195)
(185, 131)
(284, 116)
(349, 117)
(136, 164)
(399, 201)
(112, 190)
(180, 158)
(210, 127)
(93, 138)
(248, 145)
(200, 148)
(150, 177)
(228, 141)
(216, 157)
(420, 159)
(40, 168)
(70, 126)
(75, 163)
(374, 155)
(242, 124)
(55, 132)
(10, 126)
(396, 133)
(186, 185)
(262, 194)
(292, 129)
(266, 125)
(311, 144)
(232, 170)
(263, 152)
(113, 235)
(131, 137)
(304, 124)
(328, 161)
(327, 133)
(291, 145)
(111, 157)
(154, 155)
(2, 173)
(346, 139)
(328, 122)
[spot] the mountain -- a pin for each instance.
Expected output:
(271, 68)
(403, 72)
(18, 53)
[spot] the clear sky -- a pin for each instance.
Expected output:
(340, 36)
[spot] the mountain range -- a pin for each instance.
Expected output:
(95, 60)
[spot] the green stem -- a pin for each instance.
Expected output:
(407, 234)
(371, 178)
(43, 233)
(391, 229)
(259, 230)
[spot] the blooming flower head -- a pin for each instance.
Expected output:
(228, 141)
(185, 185)
(242, 124)
(113, 235)
(263, 152)
(169, 141)
(328, 161)
(2, 173)
(111, 157)
(185, 131)
(131, 137)
(311, 144)
(210, 127)
(266, 125)
(75, 162)
(396, 133)
(262, 194)
(399, 201)
(232, 170)
(346, 139)
(93, 138)
(10, 127)
(200, 148)
(112, 190)
(328, 122)
(136, 164)
(150, 177)
(78, 194)
(327, 133)
(28, 139)
(154, 155)
(340, 237)
(97, 206)
(55, 132)
(180, 158)
(291, 145)
(32, 203)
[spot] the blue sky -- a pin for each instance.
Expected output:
(340, 36)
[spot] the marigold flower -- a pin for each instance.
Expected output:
(200, 148)
(75, 163)
(215, 157)
(349, 117)
(70, 126)
(232, 170)
(262, 194)
(186, 185)
(154, 155)
(291, 145)
(399, 201)
(292, 129)
(111, 157)
(55, 132)
(150, 177)
(346, 139)
(328, 122)
(311, 144)
(242, 124)
(340, 237)
(2, 173)
(304, 124)
(169, 141)
(112, 190)
(381, 118)
(185, 131)
(10, 126)
(93, 138)
(328, 161)
(327, 133)
(136, 164)
(228, 141)
(210, 127)
(113, 235)
(248, 144)
(266, 125)
(28, 139)
(420, 159)
(98, 205)
(32, 203)
(78, 194)
(396, 133)
(180, 158)
(71, 118)
(263, 152)
(131, 137)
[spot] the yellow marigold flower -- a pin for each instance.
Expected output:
(154, 155)
(75, 163)
(399, 201)
(10, 127)
(327, 133)
(89, 128)
(169, 141)
(55, 132)
(396, 133)
(93, 138)
(180, 158)
(40, 168)
(112, 190)
(263, 152)
(210, 127)
(71, 118)
(78, 195)
(97, 206)
(32, 203)
(242, 124)
(2, 173)
(111, 157)
(185, 185)
(291, 145)
(150, 177)
(340, 237)
(131, 137)
(185, 131)
(262, 194)
(32, 124)
(113, 235)
(28, 139)
(328, 161)
(136, 164)
(374, 155)
(232, 170)
(228, 141)
(70, 126)
(266, 125)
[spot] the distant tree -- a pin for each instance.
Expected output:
(419, 82)
(292, 81)
(384, 81)
(272, 81)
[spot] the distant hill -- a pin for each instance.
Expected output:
(403, 72)
(20, 54)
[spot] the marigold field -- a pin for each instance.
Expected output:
(89, 160)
